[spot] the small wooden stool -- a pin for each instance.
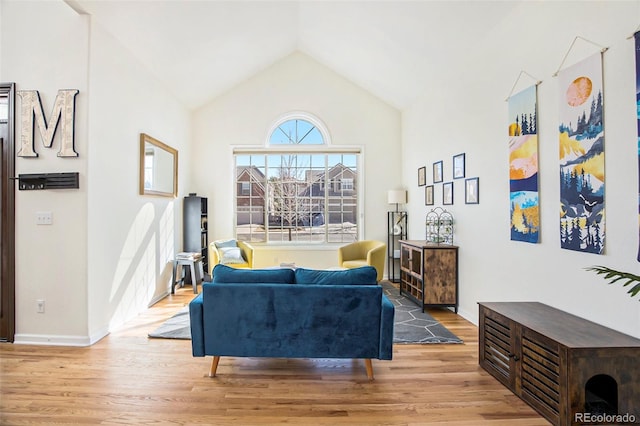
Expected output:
(196, 277)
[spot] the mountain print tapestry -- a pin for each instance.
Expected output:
(523, 166)
(637, 37)
(582, 219)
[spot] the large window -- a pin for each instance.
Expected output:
(297, 189)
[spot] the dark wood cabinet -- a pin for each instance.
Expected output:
(194, 231)
(572, 371)
(429, 273)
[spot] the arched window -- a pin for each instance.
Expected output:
(297, 188)
(296, 131)
(298, 128)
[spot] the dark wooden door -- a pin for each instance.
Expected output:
(7, 208)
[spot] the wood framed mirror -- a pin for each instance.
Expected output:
(158, 168)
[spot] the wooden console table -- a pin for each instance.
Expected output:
(429, 273)
(567, 368)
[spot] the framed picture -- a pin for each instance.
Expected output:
(472, 191)
(422, 176)
(428, 195)
(437, 172)
(447, 193)
(458, 166)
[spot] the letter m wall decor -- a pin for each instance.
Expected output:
(581, 138)
(63, 114)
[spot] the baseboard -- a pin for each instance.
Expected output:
(52, 340)
(99, 335)
(472, 318)
(60, 340)
(157, 299)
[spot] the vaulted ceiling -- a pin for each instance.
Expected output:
(393, 49)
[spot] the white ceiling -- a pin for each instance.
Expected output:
(203, 48)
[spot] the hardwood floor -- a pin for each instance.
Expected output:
(127, 378)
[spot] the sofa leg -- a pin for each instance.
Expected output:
(369, 367)
(214, 366)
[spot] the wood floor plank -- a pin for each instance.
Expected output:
(128, 378)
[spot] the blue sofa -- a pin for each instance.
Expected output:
(286, 313)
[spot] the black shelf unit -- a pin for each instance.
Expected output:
(194, 232)
(396, 231)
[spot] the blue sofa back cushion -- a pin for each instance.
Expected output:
(227, 274)
(364, 275)
(292, 321)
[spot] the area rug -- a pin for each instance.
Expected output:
(176, 327)
(411, 325)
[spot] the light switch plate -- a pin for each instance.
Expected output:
(44, 218)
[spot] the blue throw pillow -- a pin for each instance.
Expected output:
(365, 275)
(227, 274)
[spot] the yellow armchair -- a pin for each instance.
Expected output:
(363, 253)
(215, 255)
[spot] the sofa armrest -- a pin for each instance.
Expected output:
(247, 250)
(386, 328)
(376, 258)
(196, 320)
(214, 257)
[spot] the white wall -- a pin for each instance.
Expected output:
(105, 258)
(45, 48)
(468, 113)
(244, 115)
(132, 237)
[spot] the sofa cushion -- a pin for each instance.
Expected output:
(227, 274)
(349, 264)
(365, 275)
(231, 255)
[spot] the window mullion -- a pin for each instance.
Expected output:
(267, 199)
(327, 214)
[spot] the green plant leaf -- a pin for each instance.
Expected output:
(614, 276)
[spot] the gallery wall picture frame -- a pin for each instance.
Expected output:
(447, 193)
(458, 166)
(428, 195)
(422, 176)
(437, 172)
(472, 190)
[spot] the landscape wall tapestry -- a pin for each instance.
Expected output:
(582, 218)
(523, 166)
(637, 37)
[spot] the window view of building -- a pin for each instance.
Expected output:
(297, 195)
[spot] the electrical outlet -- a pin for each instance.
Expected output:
(40, 304)
(44, 218)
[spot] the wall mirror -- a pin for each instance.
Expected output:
(158, 168)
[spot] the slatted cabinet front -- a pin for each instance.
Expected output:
(496, 349)
(526, 362)
(540, 375)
